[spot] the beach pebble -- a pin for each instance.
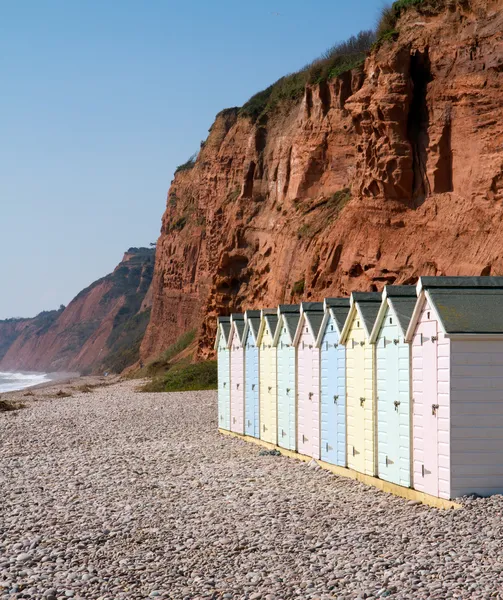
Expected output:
(120, 495)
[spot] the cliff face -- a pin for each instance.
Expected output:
(99, 329)
(381, 175)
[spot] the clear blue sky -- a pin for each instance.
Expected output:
(100, 100)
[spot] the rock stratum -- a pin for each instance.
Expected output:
(100, 329)
(385, 173)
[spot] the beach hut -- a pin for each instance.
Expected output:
(392, 383)
(222, 349)
(268, 376)
(308, 378)
(250, 336)
(237, 361)
(456, 332)
(360, 418)
(333, 381)
(288, 319)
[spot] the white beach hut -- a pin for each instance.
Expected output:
(392, 383)
(224, 374)
(456, 332)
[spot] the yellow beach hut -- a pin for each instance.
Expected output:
(360, 403)
(268, 406)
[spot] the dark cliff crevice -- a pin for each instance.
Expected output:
(418, 124)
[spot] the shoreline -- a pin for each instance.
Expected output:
(64, 383)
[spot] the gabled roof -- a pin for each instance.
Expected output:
(402, 300)
(288, 318)
(463, 305)
(269, 318)
(237, 325)
(288, 308)
(477, 283)
(223, 328)
(312, 313)
(366, 305)
(252, 323)
(289, 322)
(338, 309)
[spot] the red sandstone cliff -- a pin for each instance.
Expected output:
(263, 217)
(97, 330)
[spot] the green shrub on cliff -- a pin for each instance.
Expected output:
(189, 164)
(186, 378)
(342, 57)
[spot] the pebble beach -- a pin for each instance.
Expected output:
(116, 494)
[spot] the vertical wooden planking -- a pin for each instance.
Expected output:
(224, 412)
(341, 405)
(332, 397)
(356, 386)
(237, 390)
(308, 394)
(369, 417)
(443, 416)
(405, 430)
(251, 386)
(286, 391)
(268, 389)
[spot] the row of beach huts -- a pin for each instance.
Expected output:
(404, 385)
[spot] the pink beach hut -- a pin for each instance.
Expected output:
(456, 333)
(237, 385)
(308, 378)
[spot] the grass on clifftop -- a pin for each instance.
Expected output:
(186, 378)
(386, 28)
(340, 58)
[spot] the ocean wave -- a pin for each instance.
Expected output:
(12, 381)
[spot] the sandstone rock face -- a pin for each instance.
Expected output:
(83, 335)
(416, 136)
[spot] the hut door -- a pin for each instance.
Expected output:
(358, 458)
(430, 402)
(391, 406)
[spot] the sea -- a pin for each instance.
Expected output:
(10, 382)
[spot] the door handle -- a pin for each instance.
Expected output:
(287, 390)
(327, 447)
(253, 386)
(362, 401)
(434, 408)
(397, 404)
(310, 395)
(335, 399)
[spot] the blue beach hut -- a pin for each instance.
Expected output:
(333, 381)
(224, 373)
(288, 319)
(392, 384)
(250, 336)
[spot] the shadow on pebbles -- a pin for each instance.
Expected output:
(117, 494)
